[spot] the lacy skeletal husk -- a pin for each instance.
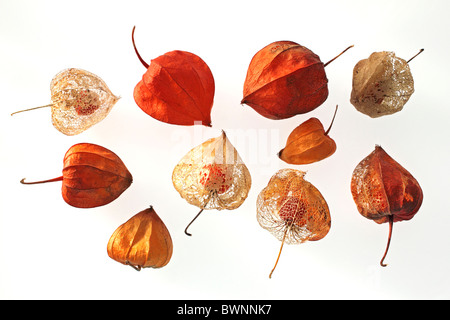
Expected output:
(80, 99)
(382, 84)
(226, 190)
(369, 194)
(289, 204)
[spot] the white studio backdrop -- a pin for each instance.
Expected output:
(49, 250)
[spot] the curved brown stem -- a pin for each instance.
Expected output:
(46, 106)
(332, 120)
(391, 223)
(337, 56)
(137, 268)
(279, 253)
(135, 49)
(206, 203)
(421, 50)
(43, 181)
(185, 230)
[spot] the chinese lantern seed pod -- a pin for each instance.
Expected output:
(177, 88)
(308, 143)
(285, 79)
(382, 84)
(80, 99)
(292, 209)
(142, 242)
(212, 176)
(384, 191)
(92, 176)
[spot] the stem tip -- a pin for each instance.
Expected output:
(145, 64)
(391, 223)
(185, 230)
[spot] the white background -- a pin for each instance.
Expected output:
(49, 250)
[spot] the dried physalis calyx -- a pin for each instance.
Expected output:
(212, 176)
(92, 176)
(292, 209)
(177, 88)
(141, 242)
(382, 84)
(80, 99)
(384, 191)
(285, 79)
(308, 143)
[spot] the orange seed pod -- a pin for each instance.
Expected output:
(384, 191)
(285, 79)
(308, 143)
(141, 242)
(92, 176)
(177, 88)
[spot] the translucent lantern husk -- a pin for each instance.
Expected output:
(290, 202)
(187, 175)
(200, 186)
(382, 84)
(80, 99)
(292, 209)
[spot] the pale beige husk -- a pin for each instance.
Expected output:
(73, 89)
(382, 84)
(186, 176)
